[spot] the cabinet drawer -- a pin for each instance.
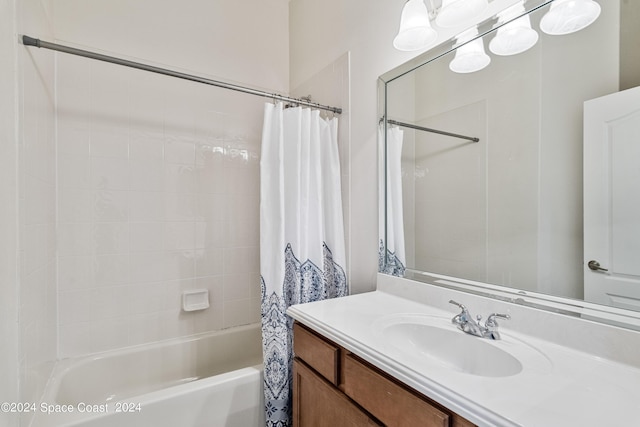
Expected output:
(386, 400)
(316, 352)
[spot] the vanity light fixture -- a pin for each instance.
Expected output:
(515, 37)
(456, 12)
(569, 16)
(470, 57)
(415, 29)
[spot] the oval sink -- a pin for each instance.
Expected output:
(454, 349)
(434, 339)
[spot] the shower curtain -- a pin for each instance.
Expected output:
(302, 252)
(391, 251)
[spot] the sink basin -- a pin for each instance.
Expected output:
(432, 339)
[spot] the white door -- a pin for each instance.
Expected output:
(612, 199)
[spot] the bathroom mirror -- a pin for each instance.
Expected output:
(508, 216)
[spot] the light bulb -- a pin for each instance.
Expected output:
(470, 57)
(415, 29)
(569, 16)
(517, 35)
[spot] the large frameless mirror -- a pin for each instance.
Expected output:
(512, 161)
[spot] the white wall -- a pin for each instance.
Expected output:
(237, 41)
(159, 177)
(629, 44)
(8, 213)
(37, 204)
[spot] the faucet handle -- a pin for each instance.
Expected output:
(462, 307)
(491, 320)
(461, 318)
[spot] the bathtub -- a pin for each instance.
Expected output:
(210, 380)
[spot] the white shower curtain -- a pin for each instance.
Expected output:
(302, 252)
(391, 254)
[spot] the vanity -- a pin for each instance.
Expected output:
(334, 385)
(385, 357)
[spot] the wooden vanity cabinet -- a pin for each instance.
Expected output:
(318, 403)
(333, 387)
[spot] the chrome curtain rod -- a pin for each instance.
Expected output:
(441, 132)
(30, 41)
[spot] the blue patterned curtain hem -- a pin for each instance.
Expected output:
(388, 262)
(303, 282)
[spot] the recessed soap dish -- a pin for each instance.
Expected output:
(196, 299)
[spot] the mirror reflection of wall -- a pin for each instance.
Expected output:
(629, 44)
(508, 210)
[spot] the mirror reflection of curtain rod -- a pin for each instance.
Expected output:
(440, 132)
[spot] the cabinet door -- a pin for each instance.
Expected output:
(317, 404)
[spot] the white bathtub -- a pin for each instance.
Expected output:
(208, 380)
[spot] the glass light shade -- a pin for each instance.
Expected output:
(415, 29)
(515, 37)
(457, 12)
(569, 16)
(470, 57)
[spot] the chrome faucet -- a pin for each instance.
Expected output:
(467, 324)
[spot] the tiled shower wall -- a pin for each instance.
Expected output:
(8, 214)
(158, 193)
(158, 178)
(36, 204)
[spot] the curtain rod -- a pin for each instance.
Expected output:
(441, 132)
(30, 41)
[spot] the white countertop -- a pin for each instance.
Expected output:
(573, 389)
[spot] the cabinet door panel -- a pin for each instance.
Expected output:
(386, 400)
(317, 404)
